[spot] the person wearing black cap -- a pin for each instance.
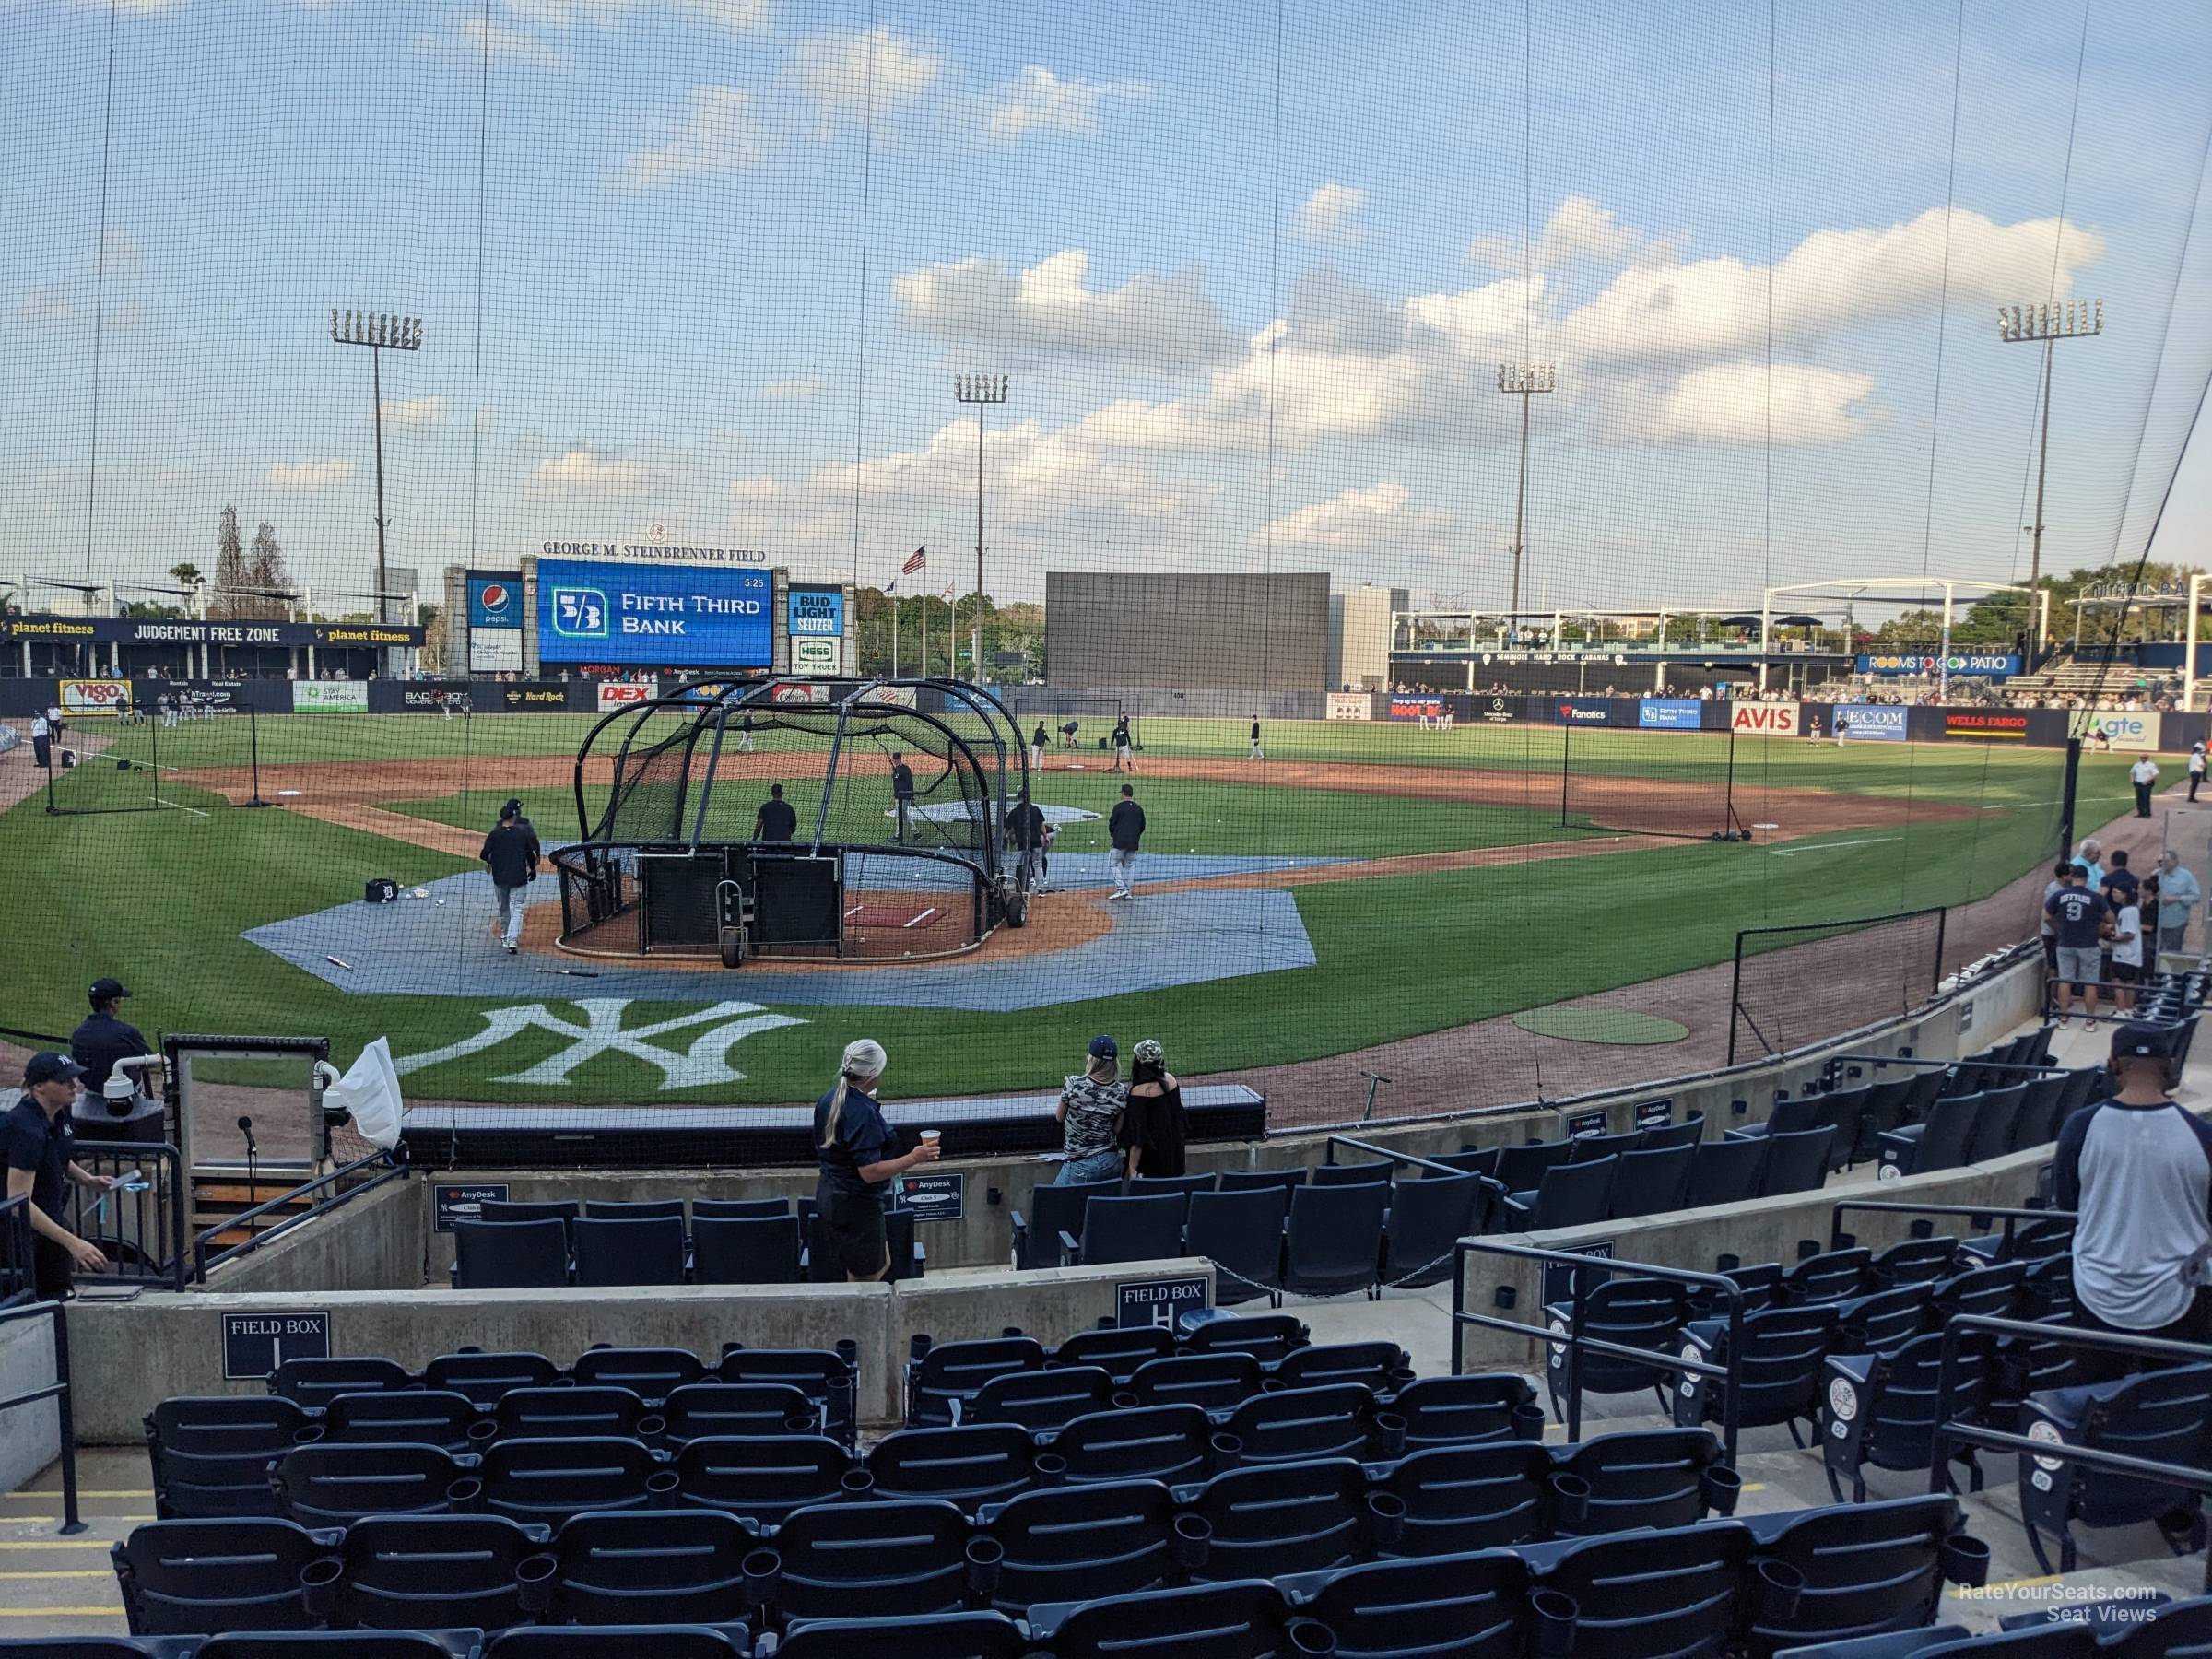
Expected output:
(777, 820)
(511, 852)
(103, 1040)
(40, 1166)
(1090, 1112)
(2137, 1171)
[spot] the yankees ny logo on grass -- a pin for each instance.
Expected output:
(704, 1063)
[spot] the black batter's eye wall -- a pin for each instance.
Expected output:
(1205, 631)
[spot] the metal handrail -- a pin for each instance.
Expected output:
(58, 1391)
(18, 1253)
(396, 1168)
(166, 1188)
(1658, 1359)
(1946, 1065)
(1981, 1215)
(1335, 1141)
(1949, 1432)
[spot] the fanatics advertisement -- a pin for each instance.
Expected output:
(1670, 713)
(662, 615)
(1582, 711)
(1870, 722)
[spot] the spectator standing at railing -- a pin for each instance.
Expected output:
(2178, 894)
(2077, 915)
(2136, 1171)
(42, 1165)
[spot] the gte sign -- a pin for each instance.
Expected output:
(1768, 720)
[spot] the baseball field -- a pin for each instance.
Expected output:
(1366, 883)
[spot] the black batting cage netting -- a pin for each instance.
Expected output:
(1614, 538)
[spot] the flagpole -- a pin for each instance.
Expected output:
(894, 627)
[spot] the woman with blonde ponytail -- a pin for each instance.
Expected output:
(852, 1148)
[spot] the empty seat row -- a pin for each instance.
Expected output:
(1759, 1587)
(1960, 1129)
(911, 1555)
(549, 1251)
(1621, 1185)
(944, 1380)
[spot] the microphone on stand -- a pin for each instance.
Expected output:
(245, 1126)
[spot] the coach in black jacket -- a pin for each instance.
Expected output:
(511, 854)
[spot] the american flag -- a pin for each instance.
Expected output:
(917, 562)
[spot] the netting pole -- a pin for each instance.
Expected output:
(253, 754)
(1729, 817)
(1943, 916)
(1566, 746)
(2066, 804)
(1735, 994)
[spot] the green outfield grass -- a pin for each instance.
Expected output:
(159, 899)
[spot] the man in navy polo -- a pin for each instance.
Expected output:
(42, 1167)
(2076, 914)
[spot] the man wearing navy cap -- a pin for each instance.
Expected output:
(511, 854)
(41, 1167)
(103, 1040)
(2136, 1169)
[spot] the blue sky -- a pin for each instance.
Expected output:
(1250, 271)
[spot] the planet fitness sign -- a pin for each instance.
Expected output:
(663, 614)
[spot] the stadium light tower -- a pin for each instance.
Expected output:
(2045, 325)
(979, 390)
(1523, 381)
(380, 332)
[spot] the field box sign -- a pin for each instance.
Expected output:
(464, 1200)
(935, 1197)
(1559, 1278)
(256, 1344)
(1160, 1301)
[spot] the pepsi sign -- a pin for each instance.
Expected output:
(495, 601)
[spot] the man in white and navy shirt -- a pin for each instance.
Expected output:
(2136, 1169)
(2143, 775)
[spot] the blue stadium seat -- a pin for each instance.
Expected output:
(1797, 1163)
(1780, 1363)
(1146, 1186)
(610, 1255)
(1456, 1499)
(1457, 1411)
(605, 1641)
(510, 1255)
(1141, 1442)
(339, 1644)
(649, 1567)
(1218, 1382)
(1247, 1619)
(1658, 1477)
(946, 1371)
(1039, 1399)
(482, 1378)
(1332, 1244)
(1589, 1149)
(1627, 1310)
(739, 1209)
(1351, 1174)
(745, 1249)
(1292, 1425)
(1054, 1210)
(987, 1463)
(211, 1454)
(890, 1558)
(1466, 1607)
(553, 1477)
(700, 1409)
(232, 1574)
(2181, 1629)
(1997, 1125)
(1939, 1142)
(1249, 1181)
(633, 1209)
(314, 1384)
(1653, 1181)
(332, 1485)
(1296, 1517)
(1725, 1171)
(1240, 1231)
(1379, 1366)
(1674, 1592)
(546, 1413)
(974, 1635)
(1884, 1321)
(824, 1376)
(425, 1417)
(763, 1476)
(1861, 1569)
(1831, 1276)
(1067, 1543)
(2164, 1415)
(1116, 1351)
(652, 1374)
(439, 1572)
(1426, 1218)
(1126, 1229)
(1268, 1337)
(1881, 1409)
(1569, 1195)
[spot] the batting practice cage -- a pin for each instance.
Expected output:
(1622, 781)
(896, 840)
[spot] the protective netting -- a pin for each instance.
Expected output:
(1429, 430)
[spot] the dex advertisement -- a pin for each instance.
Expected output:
(661, 615)
(1870, 722)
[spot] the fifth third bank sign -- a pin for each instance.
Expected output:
(662, 616)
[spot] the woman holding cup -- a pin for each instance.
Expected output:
(853, 1154)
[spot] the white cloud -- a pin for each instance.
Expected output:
(472, 38)
(842, 71)
(1329, 214)
(756, 491)
(307, 475)
(1382, 516)
(1578, 229)
(1037, 100)
(1167, 322)
(798, 385)
(717, 133)
(45, 307)
(1738, 403)
(414, 412)
(739, 16)
(581, 471)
